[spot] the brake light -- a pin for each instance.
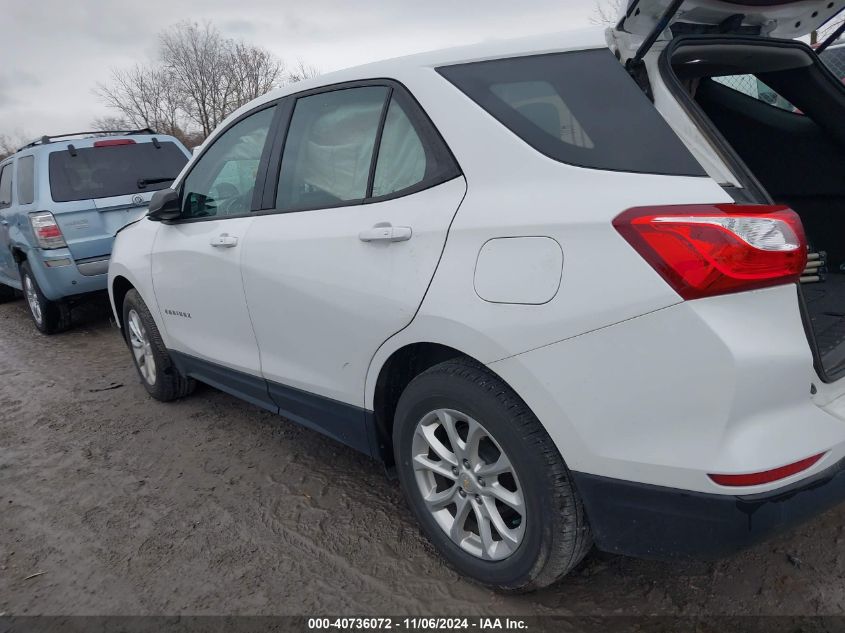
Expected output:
(114, 141)
(711, 249)
(767, 476)
(47, 231)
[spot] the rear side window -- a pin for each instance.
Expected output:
(580, 108)
(113, 170)
(26, 180)
(329, 148)
(412, 155)
(361, 144)
(5, 185)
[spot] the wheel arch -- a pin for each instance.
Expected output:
(120, 286)
(18, 254)
(395, 373)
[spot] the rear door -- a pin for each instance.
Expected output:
(773, 18)
(101, 188)
(355, 221)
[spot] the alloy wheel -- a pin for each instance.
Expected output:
(32, 299)
(468, 484)
(141, 348)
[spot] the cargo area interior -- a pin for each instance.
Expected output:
(783, 113)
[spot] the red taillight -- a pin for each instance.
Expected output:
(47, 231)
(767, 476)
(114, 141)
(711, 249)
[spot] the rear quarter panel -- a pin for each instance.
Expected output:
(514, 191)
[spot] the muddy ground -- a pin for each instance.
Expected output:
(124, 505)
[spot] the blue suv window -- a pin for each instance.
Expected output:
(113, 170)
(6, 185)
(26, 180)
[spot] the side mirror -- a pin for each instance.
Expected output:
(165, 206)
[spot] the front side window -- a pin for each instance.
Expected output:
(6, 185)
(329, 148)
(26, 179)
(223, 181)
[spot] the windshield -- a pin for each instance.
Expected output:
(102, 172)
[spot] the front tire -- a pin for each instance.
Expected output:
(485, 480)
(152, 361)
(50, 317)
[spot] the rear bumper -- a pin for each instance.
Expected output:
(657, 522)
(59, 276)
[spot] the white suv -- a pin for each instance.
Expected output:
(558, 285)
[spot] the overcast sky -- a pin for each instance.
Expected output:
(55, 51)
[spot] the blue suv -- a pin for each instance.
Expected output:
(62, 200)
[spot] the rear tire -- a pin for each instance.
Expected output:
(152, 361)
(50, 317)
(506, 471)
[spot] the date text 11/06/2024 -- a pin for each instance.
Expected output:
(418, 624)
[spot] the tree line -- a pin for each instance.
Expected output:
(195, 79)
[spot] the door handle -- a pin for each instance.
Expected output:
(224, 240)
(386, 232)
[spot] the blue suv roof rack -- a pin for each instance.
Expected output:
(44, 140)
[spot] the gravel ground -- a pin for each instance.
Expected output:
(112, 503)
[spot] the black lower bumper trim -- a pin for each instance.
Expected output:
(658, 522)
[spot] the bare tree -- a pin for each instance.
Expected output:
(144, 96)
(7, 146)
(253, 72)
(607, 11)
(196, 57)
(198, 78)
(301, 71)
(110, 123)
(213, 76)
(10, 143)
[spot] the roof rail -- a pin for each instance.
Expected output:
(44, 140)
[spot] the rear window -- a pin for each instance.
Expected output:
(580, 108)
(102, 172)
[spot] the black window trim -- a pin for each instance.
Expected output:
(421, 122)
(385, 106)
(10, 164)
